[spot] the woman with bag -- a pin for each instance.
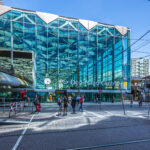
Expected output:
(60, 105)
(37, 104)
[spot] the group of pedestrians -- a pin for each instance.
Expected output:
(63, 102)
(140, 100)
(74, 101)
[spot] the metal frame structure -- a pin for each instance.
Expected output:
(68, 49)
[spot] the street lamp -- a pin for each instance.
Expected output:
(121, 89)
(47, 81)
(12, 63)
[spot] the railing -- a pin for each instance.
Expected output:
(14, 105)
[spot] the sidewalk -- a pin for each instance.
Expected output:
(51, 108)
(20, 115)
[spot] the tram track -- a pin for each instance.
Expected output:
(111, 144)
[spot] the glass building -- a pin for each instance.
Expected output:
(75, 54)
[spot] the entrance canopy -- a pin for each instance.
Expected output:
(6, 79)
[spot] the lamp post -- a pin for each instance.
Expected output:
(78, 76)
(121, 89)
(12, 42)
(47, 81)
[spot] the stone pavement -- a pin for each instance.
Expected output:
(102, 126)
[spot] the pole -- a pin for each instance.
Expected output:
(78, 80)
(122, 99)
(11, 50)
(12, 65)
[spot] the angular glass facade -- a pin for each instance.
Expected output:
(70, 54)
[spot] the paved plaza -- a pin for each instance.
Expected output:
(98, 127)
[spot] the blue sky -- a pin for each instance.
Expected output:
(134, 14)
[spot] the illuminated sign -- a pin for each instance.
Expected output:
(73, 82)
(60, 91)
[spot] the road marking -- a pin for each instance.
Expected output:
(22, 134)
(110, 145)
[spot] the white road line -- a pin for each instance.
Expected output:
(23, 132)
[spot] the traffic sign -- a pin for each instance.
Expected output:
(125, 85)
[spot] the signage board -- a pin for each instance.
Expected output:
(60, 92)
(125, 85)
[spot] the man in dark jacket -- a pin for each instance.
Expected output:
(73, 104)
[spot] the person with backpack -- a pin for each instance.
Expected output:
(60, 105)
(81, 104)
(65, 105)
(78, 100)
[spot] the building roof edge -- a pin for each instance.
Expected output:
(72, 18)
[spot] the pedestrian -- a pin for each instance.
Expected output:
(99, 99)
(78, 99)
(148, 109)
(40, 99)
(131, 102)
(37, 104)
(23, 97)
(140, 98)
(96, 99)
(69, 98)
(112, 99)
(81, 104)
(51, 98)
(60, 105)
(65, 100)
(73, 104)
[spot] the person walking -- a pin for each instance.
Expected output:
(60, 105)
(140, 99)
(51, 98)
(65, 105)
(23, 97)
(96, 100)
(81, 104)
(73, 104)
(69, 98)
(39, 104)
(131, 102)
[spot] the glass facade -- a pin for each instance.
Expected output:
(68, 53)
